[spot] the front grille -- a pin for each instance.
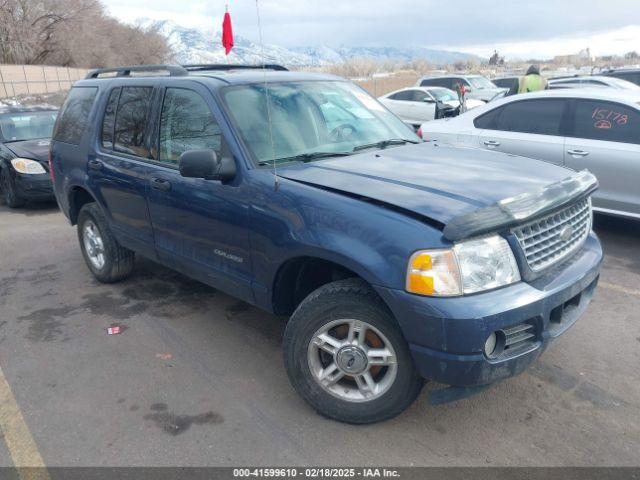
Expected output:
(550, 239)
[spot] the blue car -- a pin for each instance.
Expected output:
(395, 260)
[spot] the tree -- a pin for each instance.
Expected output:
(74, 33)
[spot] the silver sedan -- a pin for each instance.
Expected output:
(594, 129)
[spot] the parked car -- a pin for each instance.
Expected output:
(595, 129)
(588, 81)
(511, 84)
(476, 86)
(629, 74)
(415, 105)
(24, 154)
(461, 272)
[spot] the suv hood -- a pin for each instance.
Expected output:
(33, 149)
(435, 182)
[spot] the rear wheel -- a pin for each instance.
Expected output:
(11, 197)
(346, 356)
(106, 258)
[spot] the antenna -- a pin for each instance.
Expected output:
(276, 185)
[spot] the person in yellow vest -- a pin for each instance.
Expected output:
(532, 81)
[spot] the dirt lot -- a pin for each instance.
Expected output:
(197, 378)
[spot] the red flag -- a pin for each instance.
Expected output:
(227, 34)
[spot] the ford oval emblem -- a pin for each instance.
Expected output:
(566, 233)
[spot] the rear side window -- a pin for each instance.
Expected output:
(609, 121)
(186, 123)
(131, 121)
(405, 95)
(542, 117)
(74, 115)
(488, 121)
(109, 119)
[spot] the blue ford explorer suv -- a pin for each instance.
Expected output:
(397, 261)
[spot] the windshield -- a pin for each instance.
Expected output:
(443, 94)
(26, 125)
(480, 83)
(311, 118)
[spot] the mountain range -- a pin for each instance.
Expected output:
(191, 45)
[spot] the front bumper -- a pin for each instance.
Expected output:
(36, 187)
(447, 335)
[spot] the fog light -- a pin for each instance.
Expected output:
(490, 344)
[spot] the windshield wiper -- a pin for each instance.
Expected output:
(385, 143)
(305, 157)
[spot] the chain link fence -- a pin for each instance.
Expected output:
(20, 80)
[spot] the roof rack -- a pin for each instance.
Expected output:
(174, 70)
(226, 66)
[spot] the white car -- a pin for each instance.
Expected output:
(588, 81)
(594, 129)
(416, 105)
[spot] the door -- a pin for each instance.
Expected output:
(398, 103)
(200, 226)
(531, 128)
(118, 170)
(605, 139)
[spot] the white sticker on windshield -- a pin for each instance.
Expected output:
(368, 102)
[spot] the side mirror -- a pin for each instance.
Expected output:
(428, 100)
(206, 164)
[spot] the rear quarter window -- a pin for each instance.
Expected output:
(74, 115)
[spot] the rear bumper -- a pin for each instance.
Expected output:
(447, 335)
(34, 187)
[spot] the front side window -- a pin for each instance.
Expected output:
(74, 115)
(542, 117)
(131, 121)
(310, 118)
(186, 123)
(608, 121)
(419, 95)
(15, 127)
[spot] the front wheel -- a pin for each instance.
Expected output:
(345, 355)
(106, 258)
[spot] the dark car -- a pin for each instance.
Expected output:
(25, 134)
(511, 84)
(629, 74)
(299, 193)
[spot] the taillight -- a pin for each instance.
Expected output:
(419, 132)
(51, 168)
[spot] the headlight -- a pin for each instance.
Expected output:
(470, 266)
(24, 165)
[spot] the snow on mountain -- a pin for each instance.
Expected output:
(191, 45)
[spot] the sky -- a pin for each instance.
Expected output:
(517, 28)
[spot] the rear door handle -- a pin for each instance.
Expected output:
(578, 153)
(95, 165)
(491, 143)
(160, 184)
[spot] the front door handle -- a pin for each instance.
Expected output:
(160, 184)
(95, 165)
(491, 143)
(578, 153)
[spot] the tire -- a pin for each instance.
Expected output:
(353, 302)
(117, 262)
(8, 187)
